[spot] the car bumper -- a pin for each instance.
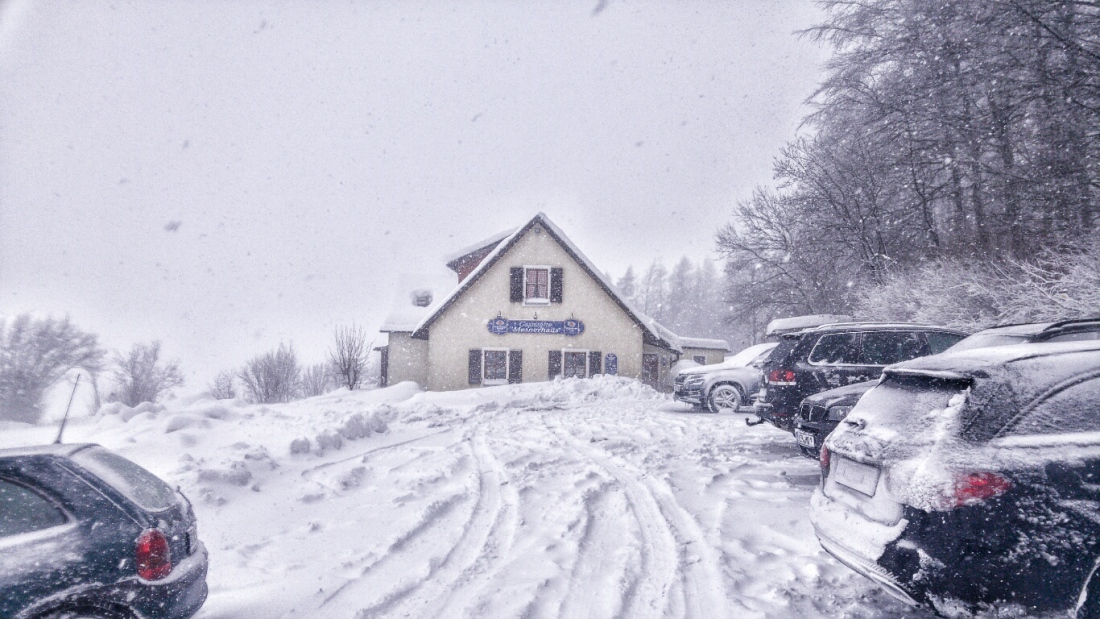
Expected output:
(689, 395)
(811, 434)
(833, 521)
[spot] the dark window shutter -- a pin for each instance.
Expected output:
(594, 358)
(475, 366)
(555, 364)
(515, 366)
(556, 276)
(515, 285)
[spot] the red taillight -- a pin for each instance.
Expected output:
(781, 377)
(823, 457)
(154, 558)
(977, 487)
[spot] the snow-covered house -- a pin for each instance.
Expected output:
(529, 306)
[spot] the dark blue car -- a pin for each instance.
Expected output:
(87, 533)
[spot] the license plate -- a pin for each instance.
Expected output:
(805, 439)
(857, 476)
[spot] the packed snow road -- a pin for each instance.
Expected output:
(577, 498)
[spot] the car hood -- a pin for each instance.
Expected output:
(716, 368)
(848, 394)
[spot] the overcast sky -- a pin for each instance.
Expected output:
(223, 176)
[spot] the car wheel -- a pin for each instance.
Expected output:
(725, 398)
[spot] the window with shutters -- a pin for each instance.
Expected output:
(536, 285)
(574, 363)
(494, 366)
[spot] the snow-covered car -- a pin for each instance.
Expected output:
(727, 386)
(970, 481)
(88, 534)
(1003, 335)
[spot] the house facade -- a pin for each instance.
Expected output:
(528, 306)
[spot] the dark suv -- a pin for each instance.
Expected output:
(87, 533)
(830, 356)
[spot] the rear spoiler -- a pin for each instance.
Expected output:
(934, 374)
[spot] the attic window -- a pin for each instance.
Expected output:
(536, 285)
(422, 298)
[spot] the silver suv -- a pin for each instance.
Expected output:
(727, 386)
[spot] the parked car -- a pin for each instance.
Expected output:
(1064, 331)
(820, 413)
(815, 360)
(724, 387)
(87, 533)
(970, 481)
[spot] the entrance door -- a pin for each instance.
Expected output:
(649, 369)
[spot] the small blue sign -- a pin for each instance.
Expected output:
(611, 364)
(500, 326)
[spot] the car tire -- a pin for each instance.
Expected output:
(1091, 608)
(725, 397)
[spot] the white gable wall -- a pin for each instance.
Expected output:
(462, 326)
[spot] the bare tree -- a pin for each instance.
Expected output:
(142, 377)
(222, 388)
(348, 357)
(273, 376)
(34, 354)
(316, 380)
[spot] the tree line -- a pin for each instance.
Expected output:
(36, 354)
(945, 135)
(688, 299)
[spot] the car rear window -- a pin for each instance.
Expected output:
(906, 404)
(23, 510)
(779, 354)
(887, 347)
(836, 348)
(135, 483)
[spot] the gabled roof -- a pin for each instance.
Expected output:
(653, 333)
(484, 245)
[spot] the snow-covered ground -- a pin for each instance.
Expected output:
(574, 498)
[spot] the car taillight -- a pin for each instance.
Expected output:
(823, 458)
(977, 487)
(781, 377)
(154, 558)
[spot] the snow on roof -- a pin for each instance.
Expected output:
(482, 244)
(699, 342)
(405, 314)
(659, 334)
(803, 322)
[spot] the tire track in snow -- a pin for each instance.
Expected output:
(650, 594)
(696, 560)
(485, 539)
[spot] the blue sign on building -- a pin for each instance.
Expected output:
(500, 326)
